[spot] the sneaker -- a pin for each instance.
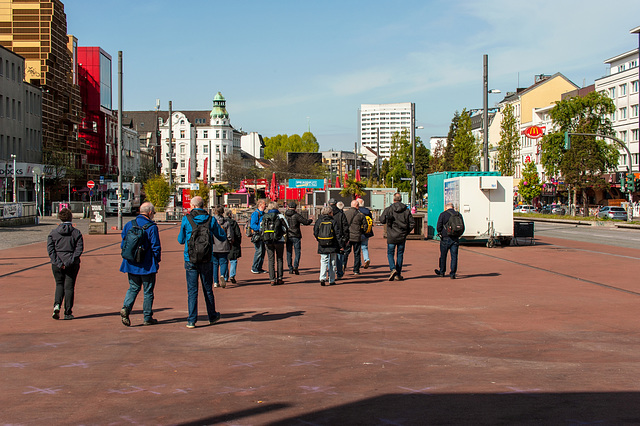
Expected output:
(124, 314)
(452, 276)
(356, 273)
(255, 272)
(191, 325)
(232, 279)
(333, 283)
(366, 264)
(392, 275)
(263, 271)
(438, 273)
(291, 271)
(280, 282)
(69, 317)
(323, 283)
(223, 282)
(215, 319)
(295, 271)
(216, 285)
(399, 277)
(273, 283)
(56, 312)
(152, 321)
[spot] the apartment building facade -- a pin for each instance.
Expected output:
(379, 122)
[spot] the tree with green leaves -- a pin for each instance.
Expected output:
(294, 143)
(448, 161)
(353, 188)
(529, 187)
(509, 144)
(203, 191)
(437, 159)
(584, 163)
(158, 191)
(400, 161)
(467, 152)
(423, 161)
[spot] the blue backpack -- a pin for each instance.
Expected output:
(135, 242)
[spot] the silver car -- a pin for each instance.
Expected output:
(608, 212)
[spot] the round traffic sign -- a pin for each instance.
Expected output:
(91, 184)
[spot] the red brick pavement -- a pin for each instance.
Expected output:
(545, 334)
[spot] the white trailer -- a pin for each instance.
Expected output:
(486, 204)
(131, 199)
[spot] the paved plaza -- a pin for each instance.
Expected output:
(542, 334)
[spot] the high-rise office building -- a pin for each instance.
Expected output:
(379, 122)
(37, 30)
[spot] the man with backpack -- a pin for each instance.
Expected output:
(368, 233)
(236, 246)
(355, 219)
(197, 231)
(341, 222)
(294, 235)
(141, 254)
(327, 233)
(450, 227)
(399, 223)
(273, 230)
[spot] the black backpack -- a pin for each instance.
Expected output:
(134, 244)
(271, 228)
(326, 234)
(200, 244)
(455, 225)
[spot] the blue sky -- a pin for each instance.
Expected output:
(286, 65)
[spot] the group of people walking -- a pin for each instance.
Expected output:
(213, 246)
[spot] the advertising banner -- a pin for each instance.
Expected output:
(306, 183)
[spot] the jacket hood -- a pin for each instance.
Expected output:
(199, 215)
(65, 228)
(274, 211)
(290, 212)
(399, 207)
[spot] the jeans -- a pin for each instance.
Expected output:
(339, 265)
(233, 264)
(395, 264)
(328, 267)
(275, 253)
(293, 243)
(446, 245)
(65, 286)
(205, 272)
(258, 257)
(220, 263)
(147, 283)
(355, 246)
(365, 248)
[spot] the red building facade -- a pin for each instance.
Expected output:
(98, 126)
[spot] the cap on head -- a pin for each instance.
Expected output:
(332, 200)
(292, 204)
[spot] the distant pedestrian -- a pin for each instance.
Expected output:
(399, 223)
(236, 246)
(294, 237)
(365, 237)
(197, 232)
(65, 246)
(221, 250)
(254, 224)
(449, 241)
(142, 275)
(327, 233)
(273, 230)
(341, 221)
(354, 239)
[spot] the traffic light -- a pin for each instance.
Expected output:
(636, 181)
(630, 183)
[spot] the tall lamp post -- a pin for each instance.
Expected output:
(15, 196)
(485, 112)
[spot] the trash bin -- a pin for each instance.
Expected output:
(523, 230)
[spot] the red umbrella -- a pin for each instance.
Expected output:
(346, 178)
(272, 191)
(357, 175)
(337, 181)
(206, 161)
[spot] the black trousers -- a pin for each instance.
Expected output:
(448, 245)
(357, 248)
(65, 286)
(275, 255)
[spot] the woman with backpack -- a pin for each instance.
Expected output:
(221, 250)
(328, 235)
(236, 242)
(273, 230)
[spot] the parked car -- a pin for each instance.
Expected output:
(525, 208)
(608, 212)
(559, 210)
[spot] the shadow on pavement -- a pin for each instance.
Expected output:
(514, 407)
(225, 418)
(117, 313)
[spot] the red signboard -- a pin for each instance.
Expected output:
(534, 132)
(91, 184)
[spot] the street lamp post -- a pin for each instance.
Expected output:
(15, 197)
(485, 112)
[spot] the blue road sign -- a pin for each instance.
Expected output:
(306, 183)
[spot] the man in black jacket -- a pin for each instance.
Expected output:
(354, 237)
(328, 249)
(343, 225)
(294, 235)
(447, 243)
(399, 223)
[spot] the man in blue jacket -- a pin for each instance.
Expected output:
(203, 270)
(256, 221)
(142, 275)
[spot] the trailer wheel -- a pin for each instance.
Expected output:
(491, 243)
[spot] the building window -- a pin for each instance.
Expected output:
(623, 136)
(612, 92)
(623, 90)
(182, 149)
(182, 164)
(634, 110)
(621, 68)
(224, 134)
(182, 179)
(181, 134)
(623, 113)
(217, 134)
(205, 149)
(634, 86)
(634, 135)
(205, 134)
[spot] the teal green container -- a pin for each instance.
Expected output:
(435, 188)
